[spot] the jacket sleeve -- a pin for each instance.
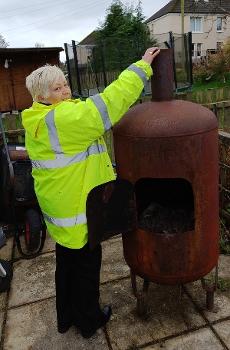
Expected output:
(86, 121)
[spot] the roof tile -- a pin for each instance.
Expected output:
(192, 6)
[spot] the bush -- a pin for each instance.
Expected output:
(217, 64)
(226, 50)
(201, 73)
(214, 67)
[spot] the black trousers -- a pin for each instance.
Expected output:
(77, 280)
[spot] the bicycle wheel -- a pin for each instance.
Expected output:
(33, 230)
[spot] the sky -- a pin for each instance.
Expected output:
(54, 22)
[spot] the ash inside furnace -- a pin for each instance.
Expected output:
(167, 220)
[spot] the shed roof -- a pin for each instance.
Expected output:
(29, 49)
(193, 6)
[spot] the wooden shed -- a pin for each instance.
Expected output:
(15, 65)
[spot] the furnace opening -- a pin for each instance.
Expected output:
(165, 205)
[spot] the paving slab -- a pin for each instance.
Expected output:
(224, 266)
(221, 302)
(1, 321)
(6, 250)
(221, 298)
(116, 237)
(113, 263)
(168, 314)
(32, 280)
(223, 329)
(34, 327)
(31, 318)
(203, 339)
(3, 299)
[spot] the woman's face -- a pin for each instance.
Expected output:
(59, 91)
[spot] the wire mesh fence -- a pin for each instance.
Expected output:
(92, 67)
(183, 60)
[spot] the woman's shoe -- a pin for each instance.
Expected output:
(107, 311)
(64, 328)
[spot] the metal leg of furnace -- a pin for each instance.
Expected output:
(210, 289)
(140, 296)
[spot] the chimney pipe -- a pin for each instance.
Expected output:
(162, 81)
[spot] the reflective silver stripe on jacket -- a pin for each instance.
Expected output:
(52, 130)
(66, 222)
(102, 109)
(139, 72)
(62, 160)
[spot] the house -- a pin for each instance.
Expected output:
(15, 65)
(90, 39)
(84, 49)
(208, 20)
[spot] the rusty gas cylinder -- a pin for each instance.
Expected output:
(168, 150)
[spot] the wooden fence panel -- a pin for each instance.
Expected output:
(205, 96)
(14, 130)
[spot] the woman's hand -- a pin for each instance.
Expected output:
(150, 54)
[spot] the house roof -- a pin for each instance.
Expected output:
(193, 6)
(89, 39)
(29, 49)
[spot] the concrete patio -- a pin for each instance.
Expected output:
(176, 319)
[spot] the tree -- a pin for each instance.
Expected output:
(123, 36)
(3, 42)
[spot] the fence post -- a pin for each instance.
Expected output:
(190, 56)
(68, 66)
(171, 41)
(103, 64)
(76, 67)
(94, 68)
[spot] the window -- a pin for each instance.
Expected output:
(193, 50)
(219, 24)
(198, 49)
(196, 24)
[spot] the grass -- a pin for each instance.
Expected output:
(223, 284)
(200, 86)
(224, 247)
(224, 237)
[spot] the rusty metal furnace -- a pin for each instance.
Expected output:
(168, 150)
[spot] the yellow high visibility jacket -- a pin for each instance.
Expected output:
(68, 153)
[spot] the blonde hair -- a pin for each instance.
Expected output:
(40, 80)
